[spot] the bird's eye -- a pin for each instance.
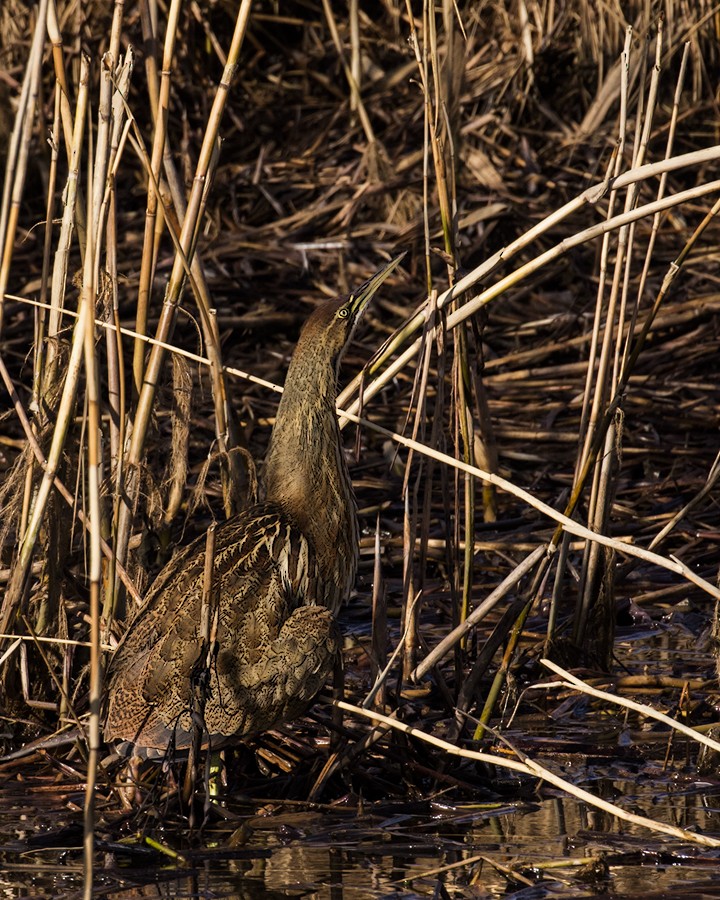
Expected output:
(343, 312)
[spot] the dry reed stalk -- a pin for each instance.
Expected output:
(18, 583)
(146, 399)
(379, 629)
(108, 149)
(149, 251)
(355, 55)
(17, 160)
(590, 197)
(356, 102)
(88, 298)
(55, 37)
(41, 311)
(208, 631)
(37, 452)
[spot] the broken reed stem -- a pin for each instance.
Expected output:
(108, 73)
(58, 55)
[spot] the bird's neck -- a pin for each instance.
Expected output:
(306, 475)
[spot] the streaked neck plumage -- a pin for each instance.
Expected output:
(305, 470)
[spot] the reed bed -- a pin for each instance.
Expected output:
(537, 394)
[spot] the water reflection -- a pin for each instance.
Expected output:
(472, 849)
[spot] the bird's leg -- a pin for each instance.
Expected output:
(129, 791)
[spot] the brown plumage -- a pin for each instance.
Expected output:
(281, 569)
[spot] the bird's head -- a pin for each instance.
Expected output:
(330, 328)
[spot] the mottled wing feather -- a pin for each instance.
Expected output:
(264, 569)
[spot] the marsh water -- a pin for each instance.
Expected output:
(550, 846)
(470, 833)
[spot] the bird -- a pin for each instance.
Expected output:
(281, 571)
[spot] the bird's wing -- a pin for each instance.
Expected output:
(263, 568)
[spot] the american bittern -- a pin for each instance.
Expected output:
(282, 569)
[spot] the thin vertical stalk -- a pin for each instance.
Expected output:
(147, 264)
(169, 309)
(67, 225)
(107, 221)
(660, 194)
(408, 622)
(17, 160)
(23, 561)
(355, 60)
(208, 633)
(379, 622)
(41, 315)
(94, 480)
(414, 578)
(68, 127)
(110, 64)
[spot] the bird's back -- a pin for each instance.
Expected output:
(275, 647)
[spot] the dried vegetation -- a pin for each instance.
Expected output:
(553, 174)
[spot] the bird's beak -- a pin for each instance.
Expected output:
(361, 296)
